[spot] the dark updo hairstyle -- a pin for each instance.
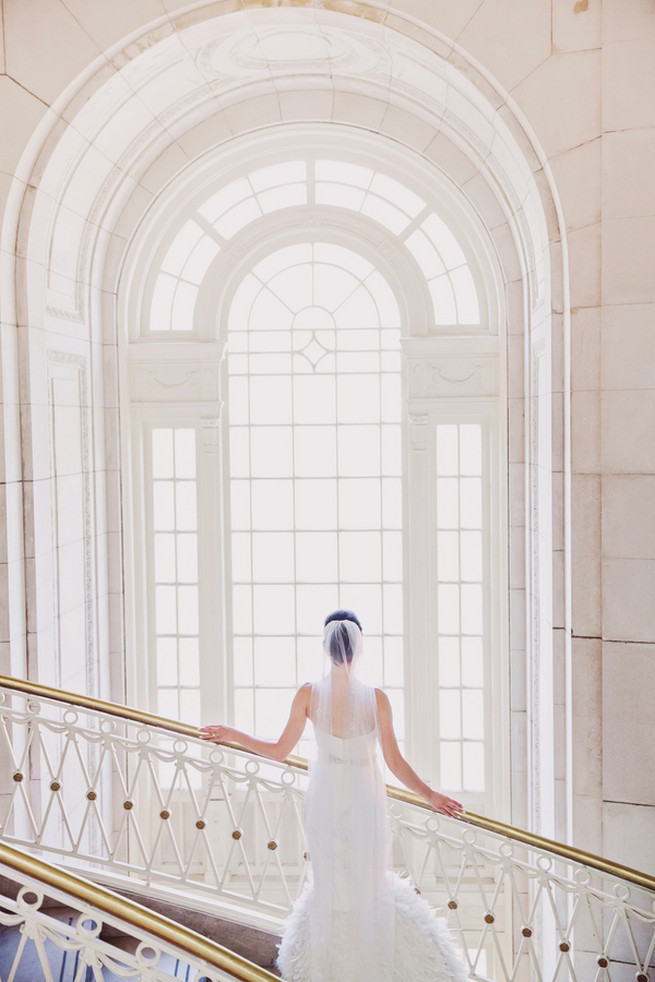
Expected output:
(340, 640)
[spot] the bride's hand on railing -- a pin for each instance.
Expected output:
(217, 733)
(445, 805)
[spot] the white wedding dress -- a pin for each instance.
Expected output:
(355, 921)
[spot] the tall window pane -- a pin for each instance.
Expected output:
(461, 585)
(174, 560)
(379, 197)
(315, 462)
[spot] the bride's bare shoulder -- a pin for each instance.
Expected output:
(382, 700)
(304, 695)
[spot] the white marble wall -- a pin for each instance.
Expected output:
(582, 74)
(55, 468)
(627, 443)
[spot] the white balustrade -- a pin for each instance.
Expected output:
(140, 805)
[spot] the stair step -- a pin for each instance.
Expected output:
(259, 947)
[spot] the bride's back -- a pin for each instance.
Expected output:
(343, 707)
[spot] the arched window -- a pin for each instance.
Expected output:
(358, 458)
(336, 184)
(314, 412)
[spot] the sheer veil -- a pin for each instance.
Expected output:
(341, 705)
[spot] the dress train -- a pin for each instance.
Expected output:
(423, 948)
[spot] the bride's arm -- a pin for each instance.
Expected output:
(401, 769)
(278, 750)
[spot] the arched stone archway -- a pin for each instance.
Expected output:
(198, 81)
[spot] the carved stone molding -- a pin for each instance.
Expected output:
(434, 378)
(246, 56)
(170, 373)
(418, 431)
(209, 434)
(71, 315)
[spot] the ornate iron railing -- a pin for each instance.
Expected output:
(55, 925)
(142, 801)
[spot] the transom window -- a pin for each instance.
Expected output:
(308, 183)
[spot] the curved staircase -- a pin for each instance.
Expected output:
(57, 925)
(140, 804)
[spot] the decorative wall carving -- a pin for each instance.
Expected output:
(418, 431)
(434, 378)
(294, 48)
(224, 62)
(64, 314)
(209, 434)
(182, 372)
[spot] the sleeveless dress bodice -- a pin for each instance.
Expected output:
(346, 749)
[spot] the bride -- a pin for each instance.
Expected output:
(355, 921)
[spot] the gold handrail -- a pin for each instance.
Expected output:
(607, 866)
(122, 712)
(209, 952)
(535, 841)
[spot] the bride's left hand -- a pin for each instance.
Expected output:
(216, 733)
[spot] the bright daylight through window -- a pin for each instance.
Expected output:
(320, 182)
(314, 475)
(315, 463)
